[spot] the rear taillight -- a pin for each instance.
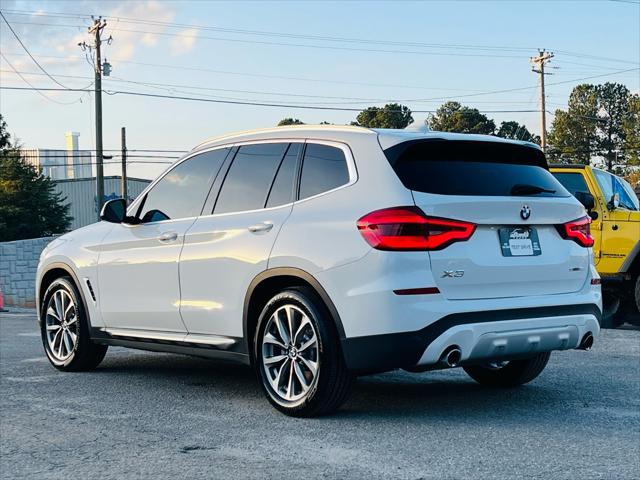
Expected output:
(408, 228)
(577, 230)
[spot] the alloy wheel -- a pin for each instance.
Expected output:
(290, 354)
(62, 326)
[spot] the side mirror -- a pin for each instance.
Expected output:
(614, 202)
(586, 199)
(114, 211)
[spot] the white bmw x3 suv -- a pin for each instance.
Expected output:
(316, 254)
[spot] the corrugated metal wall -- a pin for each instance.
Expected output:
(81, 196)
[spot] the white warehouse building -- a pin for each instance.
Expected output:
(62, 164)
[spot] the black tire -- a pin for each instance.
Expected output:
(332, 382)
(513, 374)
(84, 354)
(612, 307)
(637, 294)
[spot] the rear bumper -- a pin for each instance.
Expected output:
(497, 334)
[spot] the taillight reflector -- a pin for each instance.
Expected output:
(577, 230)
(417, 291)
(408, 228)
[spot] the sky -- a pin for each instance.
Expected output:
(330, 54)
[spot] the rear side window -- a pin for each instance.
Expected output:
(573, 182)
(181, 192)
(324, 168)
(250, 176)
(452, 167)
(282, 189)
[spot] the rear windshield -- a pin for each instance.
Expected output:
(453, 167)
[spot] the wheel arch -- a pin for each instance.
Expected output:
(52, 272)
(631, 264)
(267, 284)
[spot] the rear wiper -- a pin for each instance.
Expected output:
(527, 189)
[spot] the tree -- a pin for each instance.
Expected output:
(29, 206)
(596, 123)
(613, 107)
(392, 115)
(574, 137)
(631, 130)
(5, 138)
(514, 131)
(453, 117)
(290, 121)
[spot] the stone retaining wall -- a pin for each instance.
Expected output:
(18, 264)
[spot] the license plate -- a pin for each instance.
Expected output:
(519, 242)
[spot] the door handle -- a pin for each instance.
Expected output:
(262, 227)
(168, 237)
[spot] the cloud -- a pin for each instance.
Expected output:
(184, 42)
(57, 48)
(125, 39)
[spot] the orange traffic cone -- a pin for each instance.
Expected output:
(1, 302)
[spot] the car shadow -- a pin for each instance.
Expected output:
(445, 395)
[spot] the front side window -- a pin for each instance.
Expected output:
(250, 176)
(612, 185)
(605, 182)
(627, 197)
(181, 193)
(324, 168)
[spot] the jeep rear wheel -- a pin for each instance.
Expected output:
(508, 374)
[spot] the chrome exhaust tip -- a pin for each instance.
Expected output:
(451, 357)
(587, 342)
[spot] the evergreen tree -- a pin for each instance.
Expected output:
(29, 206)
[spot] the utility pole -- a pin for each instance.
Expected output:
(123, 180)
(96, 31)
(538, 67)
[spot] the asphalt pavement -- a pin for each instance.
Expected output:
(154, 415)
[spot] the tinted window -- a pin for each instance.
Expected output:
(324, 168)
(449, 167)
(249, 178)
(282, 189)
(573, 182)
(181, 192)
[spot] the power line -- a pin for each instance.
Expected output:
(324, 38)
(416, 100)
(312, 107)
(120, 19)
(71, 154)
(29, 83)
(235, 102)
(27, 51)
(259, 75)
(172, 86)
(46, 165)
(283, 44)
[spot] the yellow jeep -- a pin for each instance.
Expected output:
(615, 210)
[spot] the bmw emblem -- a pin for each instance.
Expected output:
(525, 212)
